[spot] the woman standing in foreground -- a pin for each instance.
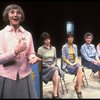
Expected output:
(16, 55)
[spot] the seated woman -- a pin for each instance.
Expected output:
(89, 54)
(98, 50)
(71, 64)
(49, 71)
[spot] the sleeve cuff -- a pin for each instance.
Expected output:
(32, 56)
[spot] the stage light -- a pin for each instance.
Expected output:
(69, 27)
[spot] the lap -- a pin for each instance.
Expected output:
(48, 73)
(73, 69)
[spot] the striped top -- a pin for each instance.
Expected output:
(48, 55)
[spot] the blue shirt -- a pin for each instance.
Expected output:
(89, 52)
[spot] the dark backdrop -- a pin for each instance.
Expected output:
(51, 16)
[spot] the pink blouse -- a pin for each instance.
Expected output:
(10, 63)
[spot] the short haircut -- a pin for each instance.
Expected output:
(88, 34)
(70, 34)
(12, 6)
(44, 36)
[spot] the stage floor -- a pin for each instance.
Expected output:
(88, 92)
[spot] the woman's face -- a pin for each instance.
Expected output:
(88, 39)
(70, 39)
(14, 17)
(47, 41)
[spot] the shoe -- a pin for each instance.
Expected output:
(59, 97)
(79, 94)
(55, 97)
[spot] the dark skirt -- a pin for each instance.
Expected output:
(17, 89)
(90, 65)
(47, 73)
(73, 69)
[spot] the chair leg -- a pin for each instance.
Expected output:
(92, 74)
(62, 86)
(86, 79)
(83, 82)
(74, 78)
(65, 86)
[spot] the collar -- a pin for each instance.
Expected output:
(11, 28)
(46, 47)
(69, 44)
(88, 44)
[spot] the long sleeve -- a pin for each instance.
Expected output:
(96, 54)
(64, 56)
(76, 55)
(66, 61)
(31, 50)
(5, 56)
(84, 54)
(76, 59)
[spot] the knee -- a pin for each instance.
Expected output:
(56, 76)
(79, 70)
(56, 73)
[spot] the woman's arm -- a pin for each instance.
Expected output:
(31, 50)
(76, 55)
(67, 61)
(64, 56)
(5, 56)
(84, 54)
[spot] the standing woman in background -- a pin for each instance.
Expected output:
(16, 55)
(49, 61)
